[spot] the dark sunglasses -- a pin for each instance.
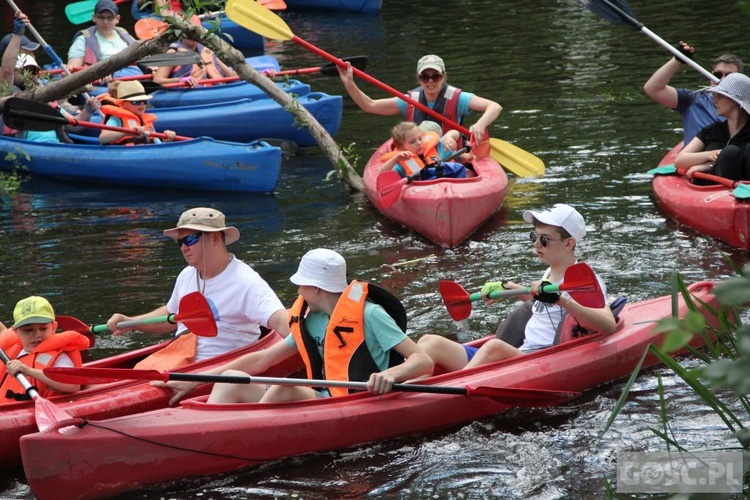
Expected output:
(543, 239)
(435, 77)
(720, 74)
(189, 240)
(138, 103)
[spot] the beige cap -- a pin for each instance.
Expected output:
(207, 220)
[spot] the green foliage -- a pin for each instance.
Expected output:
(11, 181)
(724, 373)
(349, 154)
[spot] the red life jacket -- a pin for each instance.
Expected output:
(446, 104)
(415, 164)
(129, 120)
(44, 355)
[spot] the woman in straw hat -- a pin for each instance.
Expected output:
(722, 147)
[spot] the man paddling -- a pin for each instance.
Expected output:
(241, 301)
(696, 107)
(340, 333)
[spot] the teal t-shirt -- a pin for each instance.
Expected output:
(381, 332)
(461, 110)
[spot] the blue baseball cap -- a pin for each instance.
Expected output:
(103, 5)
(26, 44)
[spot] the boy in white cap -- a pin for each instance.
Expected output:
(240, 299)
(331, 321)
(32, 345)
(556, 233)
(435, 93)
(723, 148)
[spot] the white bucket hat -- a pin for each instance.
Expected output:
(560, 215)
(207, 220)
(322, 268)
(735, 86)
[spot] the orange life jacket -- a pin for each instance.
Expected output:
(415, 164)
(345, 352)
(44, 355)
(129, 120)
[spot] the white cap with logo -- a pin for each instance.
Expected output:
(560, 215)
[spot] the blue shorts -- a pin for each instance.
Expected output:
(470, 352)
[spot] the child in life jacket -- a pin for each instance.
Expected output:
(129, 111)
(419, 150)
(32, 345)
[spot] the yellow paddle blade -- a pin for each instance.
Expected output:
(520, 162)
(256, 18)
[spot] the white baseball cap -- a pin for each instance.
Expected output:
(323, 268)
(560, 215)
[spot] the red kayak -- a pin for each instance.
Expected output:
(112, 456)
(111, 400)
(445, 211)
(711, 209)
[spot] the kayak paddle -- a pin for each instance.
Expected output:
(81, 12)
(24, 114)
(257, 18)
(195, 313)
(69, 323)
(388, 184)
(328, 69)
(580, 281)
(740, 190)
(46, 413)
(515, 396)
(619, 11)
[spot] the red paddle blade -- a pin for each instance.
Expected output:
(71, 324)
(102, 375)
(389, 188)
(47, 414)
(456, 299)
(581, 283)
(196, 315)
(518, 396)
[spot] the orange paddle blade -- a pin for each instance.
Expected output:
(149, 27)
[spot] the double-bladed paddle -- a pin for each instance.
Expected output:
(257, 18)
(514, 396)
(194, 312)
(580, 281)
(740, 190)
(46, 413)
(24, 114)
(619, 11)
(388, 184)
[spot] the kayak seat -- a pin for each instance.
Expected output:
(570, 329)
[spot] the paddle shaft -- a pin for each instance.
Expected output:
(30, 389)
(643, 29)
(515, 292)
(134, 323)
(125, 130)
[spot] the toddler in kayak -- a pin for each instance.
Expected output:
(32, 345)
(420, 152)
(534, 324)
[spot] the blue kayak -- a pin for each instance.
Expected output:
(230, 31)
(246, 119)
(203, 163)
(361, 6)
(169, 98)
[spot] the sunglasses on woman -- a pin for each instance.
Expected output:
(543, 239)
(189, 240)
(435, 77)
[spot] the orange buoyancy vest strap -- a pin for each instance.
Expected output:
(44, 355)
(414, 164)
(129, 120)
(446, 104)
(345, 352)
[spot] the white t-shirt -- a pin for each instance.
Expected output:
(240, 300)
(542, 327)
(107, 48)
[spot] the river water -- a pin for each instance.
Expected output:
(570, 84)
